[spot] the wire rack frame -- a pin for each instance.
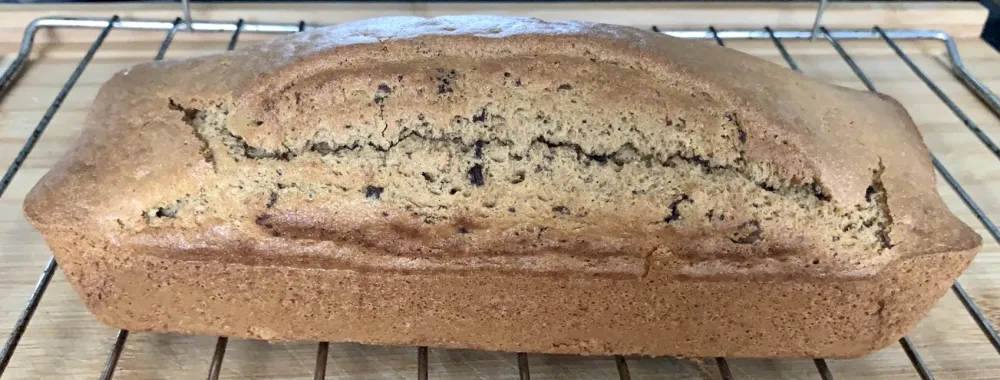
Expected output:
(833, 37)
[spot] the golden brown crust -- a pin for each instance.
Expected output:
(782, 135)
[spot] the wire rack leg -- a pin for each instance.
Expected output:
(26, 314)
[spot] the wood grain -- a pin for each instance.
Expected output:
(65, 342)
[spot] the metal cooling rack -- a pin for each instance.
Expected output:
(833, 37)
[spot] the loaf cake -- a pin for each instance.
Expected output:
(503, 184)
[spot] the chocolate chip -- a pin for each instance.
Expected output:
(481, 117)
(273, 200)
(565, 87)
(479, 147)
(166, 212)
(475, 175)
(373, 192)
(675, 214)
(820, 192)
(870, 193)
(463, 230)
(767, 187)
(445, 82)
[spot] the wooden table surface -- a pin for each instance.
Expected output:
(65, 342)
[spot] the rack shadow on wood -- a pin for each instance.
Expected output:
(833, 37)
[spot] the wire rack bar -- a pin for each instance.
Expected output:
(236, 35)
(824, 370)
(724, 371)
(973, 309)
(622, 368)
(715, 35)
(26, 314)
(522, 366)
(986, 140)
(322, 353)
(240, 26)
(781, 49)
(42, 124)
(422, 363)
(116, 352)
(220, 353)
(168, 40)
(918, 362)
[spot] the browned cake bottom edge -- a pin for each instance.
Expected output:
(591, 316)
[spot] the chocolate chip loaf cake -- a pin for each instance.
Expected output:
(502, 184)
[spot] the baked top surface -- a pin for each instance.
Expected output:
(405, 144)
